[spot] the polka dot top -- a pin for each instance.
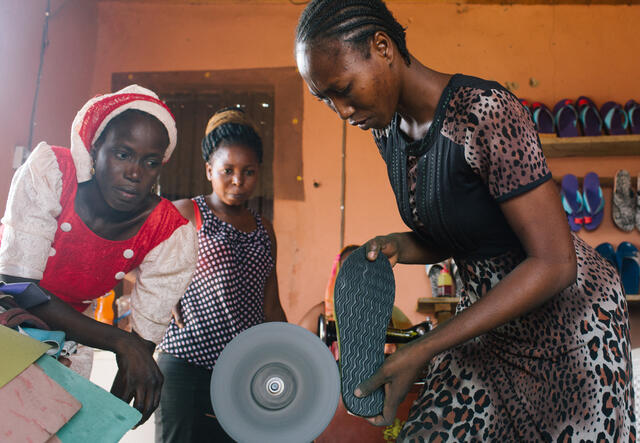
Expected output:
(226, 294)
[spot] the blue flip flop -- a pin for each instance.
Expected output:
(625, 249)
(363, 301)
(543, 118)
(633, 114)
(630, 269)
(615, 118)
(566, 118)
(572, 201)
(589, 116)
(593, 201)
(607, 251)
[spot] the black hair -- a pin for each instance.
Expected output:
(356, 20)
(230, 132)
(124, 115)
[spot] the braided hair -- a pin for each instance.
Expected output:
(230, 126)
(356, 20)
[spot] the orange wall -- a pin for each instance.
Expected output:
(569, 50)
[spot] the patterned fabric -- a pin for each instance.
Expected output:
(561, 372)
(226, 295)
(43, 238)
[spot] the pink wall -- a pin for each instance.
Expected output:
(66, 73)
(568, 50)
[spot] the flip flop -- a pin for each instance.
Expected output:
(629, 261)
(363, 301)
(615, 118)
(632, 109)
(625, 249)
(607, 251)
(433, 271)
(572, 201)
(566, 118)
(589, 116)
(623, 208)
(527, 105)
(543, 118)
(638, 202)
(593, 201)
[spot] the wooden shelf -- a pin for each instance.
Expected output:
(600, 146)
(633, 298)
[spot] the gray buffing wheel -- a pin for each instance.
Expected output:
(275, 382)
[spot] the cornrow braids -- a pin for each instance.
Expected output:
(230, 126)
(356, 20)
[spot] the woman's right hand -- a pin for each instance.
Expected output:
(138, 375)
(387, 244)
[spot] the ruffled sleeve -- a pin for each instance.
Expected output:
(29, 222)
(500, 140)
(162, 278)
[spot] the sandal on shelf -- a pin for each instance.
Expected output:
(632, 109)
(527, 105)
(607, 251)
(638, 202)
(589, 116)
(623, 207)
(543, 118)
(629, 267)
(363, 301)
(572, 201)
(615, 118)
(457, 280)
(593, 201)
(566, 118)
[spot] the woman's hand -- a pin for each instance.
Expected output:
(404, 247)
(138, 375)
(387, 244)
(397, 374)
(176, 313)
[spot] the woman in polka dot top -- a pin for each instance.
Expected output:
(234, 286)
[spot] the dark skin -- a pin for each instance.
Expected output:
(351, 85)
(114, 204)
(233, 172)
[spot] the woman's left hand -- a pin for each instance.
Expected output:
(397, 374)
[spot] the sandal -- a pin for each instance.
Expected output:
(589, 116)
(593, 201)
(363, 301)
(623, 208)
(615, 118)
(629, 267)
(566, 118)
(632, 109)
(607, 251)
(572, 201)
(543, 118)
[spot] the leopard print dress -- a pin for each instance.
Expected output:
(559, 373)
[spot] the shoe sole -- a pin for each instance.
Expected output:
(363, 301)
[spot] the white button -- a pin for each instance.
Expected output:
(66, 227)
(120, 275)
(52, 252)
(128, 253)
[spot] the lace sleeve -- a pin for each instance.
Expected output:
(29, 222)
(161, 280)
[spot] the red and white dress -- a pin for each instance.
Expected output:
(43, 238)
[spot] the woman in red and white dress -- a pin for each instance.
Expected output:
(79, 219)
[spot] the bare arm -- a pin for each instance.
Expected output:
(272, 307)
(550, 266)
(406, 248)
(138, 375)
(185, 207)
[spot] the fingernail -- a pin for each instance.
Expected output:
(357, 392)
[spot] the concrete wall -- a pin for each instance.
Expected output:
(567, 50)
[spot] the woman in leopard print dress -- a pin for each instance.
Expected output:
(539, 348)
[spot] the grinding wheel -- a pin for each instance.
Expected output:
(275, 382)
